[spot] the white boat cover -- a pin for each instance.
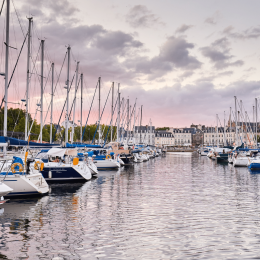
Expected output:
(60, 152)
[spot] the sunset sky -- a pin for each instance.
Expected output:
(184, 61)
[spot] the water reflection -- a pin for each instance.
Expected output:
(181, 206)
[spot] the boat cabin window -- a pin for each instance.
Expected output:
(42, 156)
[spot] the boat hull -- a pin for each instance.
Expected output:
(54, 173)
(106, 164)
(25, 185)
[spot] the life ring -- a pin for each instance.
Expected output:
(108, 156)
(16, 164)
(38, 166)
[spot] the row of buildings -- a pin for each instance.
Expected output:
(193, 136)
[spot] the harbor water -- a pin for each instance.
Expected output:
(181, 206)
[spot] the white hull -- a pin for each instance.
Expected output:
(24, 185)
(106, 164)
(4, 189)
(240, 161)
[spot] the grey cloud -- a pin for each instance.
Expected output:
(213, 19)
(56, 8)
(183, 28)
(116, 42)
(141, 16)
(250, 33)
(174, 54)
(219, 54)
(176, 51)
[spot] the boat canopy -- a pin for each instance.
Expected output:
(18, 142)
(74, 145)
(61, 152)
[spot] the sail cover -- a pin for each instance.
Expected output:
(18, 142)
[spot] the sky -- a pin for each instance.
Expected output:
(183, 61)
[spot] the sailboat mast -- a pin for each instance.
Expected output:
(42, 61)
(52, 82)
(67, 112)
(236, 119)
(6, 67)
(230, 125)
(127, 133)
(130, 123)
(141, 124)
(256, 121)
(28, 78)
(123, 112)
(112, 109)
(217, 131)
(242, 122)
(134, 123)
(81, 104)
(118, 115)
(74, 106)
(99, 115)
(224, 128)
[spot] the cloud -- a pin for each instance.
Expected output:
(116, 42)
(213, 19)
(250, 33)
(141, 16)
(219, 54)
(57, 8)
(183, 28)
(174, 54)
(201, 100)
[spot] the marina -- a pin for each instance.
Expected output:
(99, 155)
(202, 209)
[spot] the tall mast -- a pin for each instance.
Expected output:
(134, 123)
(118, 115)
(230, 125)
(112, 109)
(52, 82)
(224, 128)
(99, 115)
(256, 121)
(67, 112)
(253, 122)
(217, 131)
(81, 104)
(236, 119)
(6, 67)
(123, 112)
(141, 124)
(129, 128)
(42, 61)
(151, 130)
(127, 133)
(246, 139)
(242, 122)
(28, 78)
(74, 106)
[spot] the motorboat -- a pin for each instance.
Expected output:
(63, 164)
(137, 158)
(121, 150)
(104, 161)
(24, 180)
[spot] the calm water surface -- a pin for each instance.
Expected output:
(181, 206)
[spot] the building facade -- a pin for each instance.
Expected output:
(164, 138)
